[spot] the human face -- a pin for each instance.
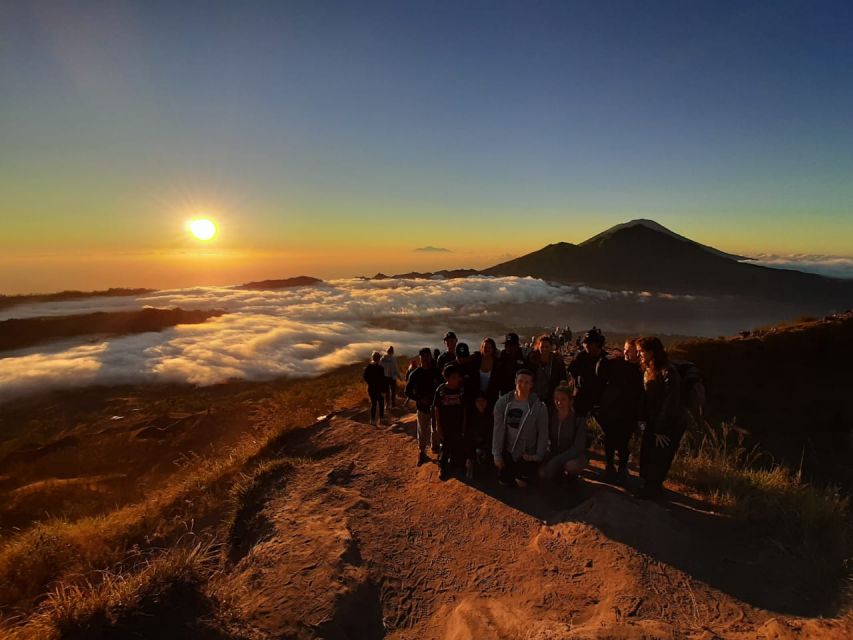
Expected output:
(592, 348)
(545, 348)
(487, 349)
(523, 385)
(426, 360)
(450, 343)
(454, 381)
(644, 357)
(563, 402)
(630, 352)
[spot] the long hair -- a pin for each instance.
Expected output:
(491, 342)
(656, 358)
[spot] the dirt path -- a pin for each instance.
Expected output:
(357, 542)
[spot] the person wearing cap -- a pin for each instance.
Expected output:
(585, 369)
(520, 436)
(421, 387)
(374, 376)
(448, 356)
(549, 369)
(450, 408)
(510, 361)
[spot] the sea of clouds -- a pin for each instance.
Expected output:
(266, 334)
(832, 266)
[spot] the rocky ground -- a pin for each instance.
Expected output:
(356, 541)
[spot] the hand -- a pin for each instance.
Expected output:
(529, 457)
(662, 440)
(499, 462)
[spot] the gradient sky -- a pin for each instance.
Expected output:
(334, 138)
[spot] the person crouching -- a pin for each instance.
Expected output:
(520, 437)
(449, 407)
(567, 434)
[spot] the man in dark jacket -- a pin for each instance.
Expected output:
(421, 387)
(584, 372)
(618, 413)
(510, 361)
(548, 369)
(448, 356)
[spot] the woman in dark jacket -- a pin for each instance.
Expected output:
(567, 439)
(664, 415)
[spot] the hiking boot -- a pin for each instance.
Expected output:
(423, 458)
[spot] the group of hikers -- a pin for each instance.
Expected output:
(527, 413)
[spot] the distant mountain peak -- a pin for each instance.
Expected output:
(659, 228)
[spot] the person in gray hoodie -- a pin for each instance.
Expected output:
(567, 434)
(520, 437)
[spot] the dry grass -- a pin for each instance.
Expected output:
(99, 554)
(808, 521)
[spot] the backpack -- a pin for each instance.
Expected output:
(692, 386)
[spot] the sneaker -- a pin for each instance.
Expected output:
(422, 458)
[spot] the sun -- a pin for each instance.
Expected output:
(202, 228)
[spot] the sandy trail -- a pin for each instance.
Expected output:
(357, 542)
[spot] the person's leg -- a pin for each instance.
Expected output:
(423, 430)
(381, 400)
(373, 406)
(609, 444)
(526, 472)
(623, 447)
(573, 467)
(507, 474)
(551, 469)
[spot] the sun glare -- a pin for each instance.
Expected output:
(202, 229)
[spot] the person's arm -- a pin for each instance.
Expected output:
(410, 386)
(498, 433)
(365, 375)
(436, 401)
(541, 432)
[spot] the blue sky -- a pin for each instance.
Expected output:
(486, 128)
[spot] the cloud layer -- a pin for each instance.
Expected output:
(266, 334)
(833, 266)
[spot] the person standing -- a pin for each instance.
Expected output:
(567, 456)
(511, 360)
(665, 416)
(548, 369)
(486, 361)
(450, 342)
(618, 412)
(392, 375)
(374, 376)
(421, 387)
(584, 370)
(520, 437)
(449, 407)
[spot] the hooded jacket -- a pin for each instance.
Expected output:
(532, 432)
